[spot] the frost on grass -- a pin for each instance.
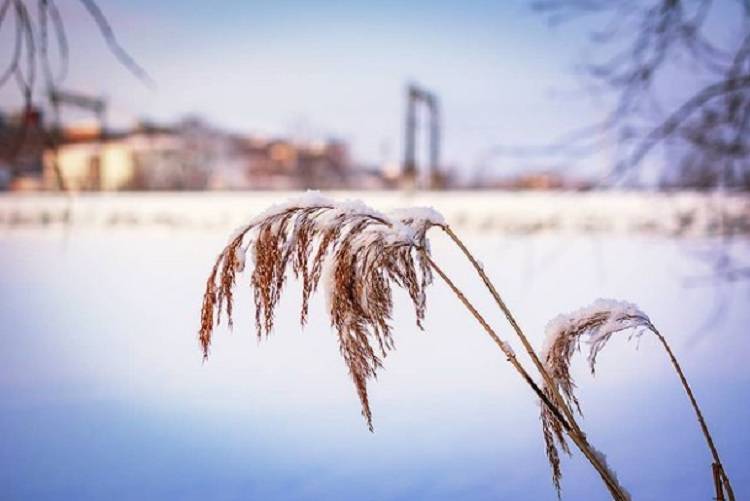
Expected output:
(594, 324)
(357, 252)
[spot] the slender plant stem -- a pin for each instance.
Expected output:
(578, 436)
(579, 439)
(517, 328)
(506, 349)
(718, 468)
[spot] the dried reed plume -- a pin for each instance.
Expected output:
(597, 323)
(554, 406)
(358, 252)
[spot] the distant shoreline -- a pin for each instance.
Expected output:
(514, 212)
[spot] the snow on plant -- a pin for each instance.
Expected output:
(362, 251)
(596, 324)
(359, 254)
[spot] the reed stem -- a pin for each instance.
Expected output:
(577, 437)
(506, 349)
(517, 328)
(717, 467)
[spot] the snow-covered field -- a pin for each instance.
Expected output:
(683, 213)
(103, 393)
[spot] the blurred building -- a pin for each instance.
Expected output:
(22, 144)
(147, 157)
(538, 181)
(194, 156)
(285, 164)
(189, 155)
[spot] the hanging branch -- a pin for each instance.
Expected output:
(32, 48)
(637, 47)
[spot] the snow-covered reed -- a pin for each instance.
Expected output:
(359, 254)
(368, 250)
(595, 324)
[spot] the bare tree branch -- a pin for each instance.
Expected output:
(641, 44)
(32, 49)
(114, 46)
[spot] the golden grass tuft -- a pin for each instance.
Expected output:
(359, 254)
(597, 323)
(363, 253)
(564, 334)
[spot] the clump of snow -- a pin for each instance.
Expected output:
(423, 214)
(354, 206)
(386, 235)
(507, 348)
(603, 460)
(402, 225)
(311, 198)
(404, 233)
(597, 321)
(419, 219)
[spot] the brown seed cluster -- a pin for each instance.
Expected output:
(357, 252)
(599, 324)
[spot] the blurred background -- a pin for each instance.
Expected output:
(583, 148)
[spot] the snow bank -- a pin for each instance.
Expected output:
(693, 214)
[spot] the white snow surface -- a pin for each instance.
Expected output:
(684, 214)
(134, 371)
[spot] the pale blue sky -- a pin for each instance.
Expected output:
(326, 68)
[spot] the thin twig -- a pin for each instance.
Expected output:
(114, 46)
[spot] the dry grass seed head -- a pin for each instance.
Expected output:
(597, 323)
(368, 252)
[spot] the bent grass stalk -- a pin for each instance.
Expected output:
(571, 427)
(717, 466)
(504, 347)
(365, 251)
(511, 320)
(361, 253)
(607, 476)
(599, 321)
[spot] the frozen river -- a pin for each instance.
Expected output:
(103, 394)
